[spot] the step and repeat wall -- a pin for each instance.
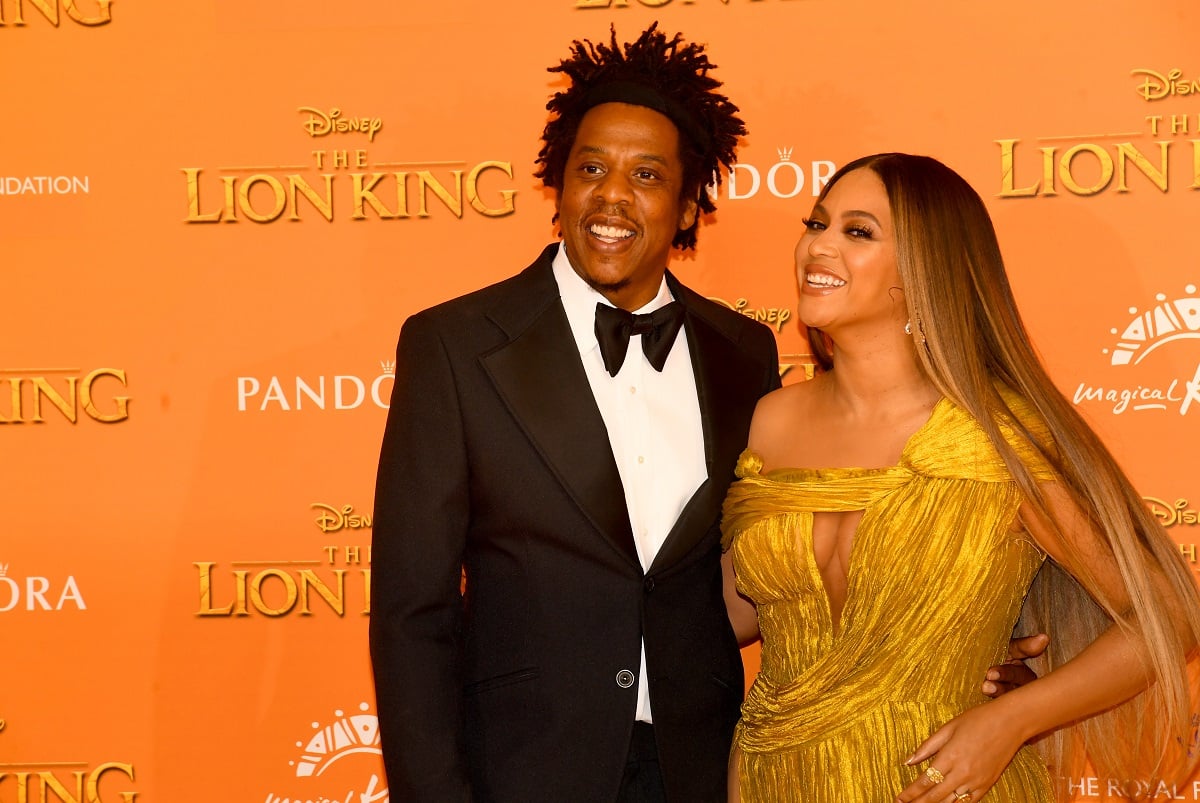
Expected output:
(216, 214)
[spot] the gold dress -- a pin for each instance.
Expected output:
(936, 580)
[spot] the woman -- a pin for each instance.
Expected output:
(894, 511)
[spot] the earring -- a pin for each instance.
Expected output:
(919, 335)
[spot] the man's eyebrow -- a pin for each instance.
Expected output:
(649, 157)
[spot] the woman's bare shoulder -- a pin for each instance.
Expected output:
(782, 415)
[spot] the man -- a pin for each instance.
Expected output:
(577, 483)
(582, 500)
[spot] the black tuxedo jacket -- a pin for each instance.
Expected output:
(495, 459)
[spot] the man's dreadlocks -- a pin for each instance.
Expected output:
(667, 75)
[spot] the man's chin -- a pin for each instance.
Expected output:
(605, 288)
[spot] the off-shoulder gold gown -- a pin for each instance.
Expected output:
(936, 580)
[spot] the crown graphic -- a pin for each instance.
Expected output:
(784, 153)
(348, 734)
(1165, 322)
(3, 569)
(388, 366)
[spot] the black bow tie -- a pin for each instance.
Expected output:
(615, 326)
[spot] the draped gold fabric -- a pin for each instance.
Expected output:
(936, 580)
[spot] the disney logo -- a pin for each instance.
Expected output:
(331, 520)
(773, 316)
(1171, 515)
(320, 123)
(1156, 86)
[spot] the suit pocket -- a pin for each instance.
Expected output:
(500, 681)
(724, 684)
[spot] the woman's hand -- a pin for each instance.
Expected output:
(968, 753)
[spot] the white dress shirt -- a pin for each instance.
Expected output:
(653, 422)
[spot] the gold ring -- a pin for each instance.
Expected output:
(963, 796)
(934, 775)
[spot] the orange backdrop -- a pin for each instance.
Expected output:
(215, 215)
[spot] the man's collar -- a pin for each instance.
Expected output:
(579, 301)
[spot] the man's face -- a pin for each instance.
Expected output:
(620, 203)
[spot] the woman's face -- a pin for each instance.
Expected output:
(846, 259)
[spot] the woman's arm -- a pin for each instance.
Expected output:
(973, 749)
(741, 611)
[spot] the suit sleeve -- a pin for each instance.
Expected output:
(767, 348)
(419, 532)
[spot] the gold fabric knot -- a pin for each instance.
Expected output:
(749, 464)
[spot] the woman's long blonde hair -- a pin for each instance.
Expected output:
(960, 302)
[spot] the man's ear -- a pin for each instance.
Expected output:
(687, 216)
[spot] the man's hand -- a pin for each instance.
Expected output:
(1014, 673)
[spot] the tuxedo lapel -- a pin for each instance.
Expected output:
(727, 386)
(539, 376)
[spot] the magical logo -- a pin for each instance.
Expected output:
(1168, 321)
(346, 756)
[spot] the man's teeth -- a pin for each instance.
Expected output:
(824, 280)
(611, 232)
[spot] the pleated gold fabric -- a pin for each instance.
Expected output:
(936, 580)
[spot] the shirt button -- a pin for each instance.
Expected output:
(641, 459)
(633, 390)
(648, 584)
(625, 678)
